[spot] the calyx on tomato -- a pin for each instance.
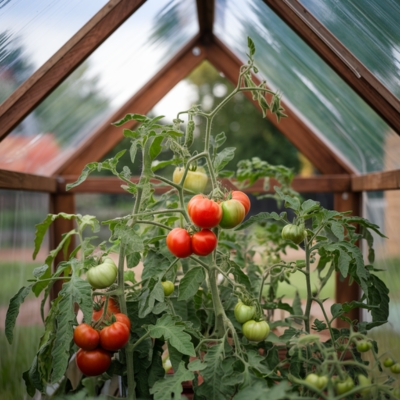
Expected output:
(168, 287)
(243, 312)
(102, 275)
(233, 213)
(205, 213)
(255, 331)
(294, 233)
(195, 181)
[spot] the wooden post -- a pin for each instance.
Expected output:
(61, 203)
(347, 201)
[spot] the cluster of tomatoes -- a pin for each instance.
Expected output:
(207, 214)
(254, 330)
(97, 346)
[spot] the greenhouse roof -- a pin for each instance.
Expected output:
(337, 65)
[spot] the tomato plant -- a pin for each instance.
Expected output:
(195, 181)
(255, 330)
(244, 312)
(294, 233)
(205, 213)
(204, 242)
(168, 287)
(93, 362)
(243, 198)
(102, 275)
(233, 213)
(114, 336)
(179, 242)
(86, 337)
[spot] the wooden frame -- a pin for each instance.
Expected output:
(12, 180)
(64, 62)
(326, 45)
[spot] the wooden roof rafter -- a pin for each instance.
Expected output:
(41, 83)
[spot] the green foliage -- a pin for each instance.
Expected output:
(195, 327)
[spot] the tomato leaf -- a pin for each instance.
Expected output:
(223, 158)
(251, 46)
(77, 291)
(171, 386)
(130, 117)
(219, 140)
(147, 300)
(260, 391)
(13, 311)
(155, 148)
(190, 283)
(261, 217)
(173, 331)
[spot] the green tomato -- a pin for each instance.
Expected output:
(196, 181)
(345, 386)
(319, 382)
(103, 275)
(255, 331)
(294, 233)
(244, 313)
(233, 213)
(169, 287)
(363, 346)
(388, 362)
(364, 381)
(395, 368)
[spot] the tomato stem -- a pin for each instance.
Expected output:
(308, 285)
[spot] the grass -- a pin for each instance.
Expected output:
(14, 275)
(15, 359)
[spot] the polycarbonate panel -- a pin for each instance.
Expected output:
(32, 31)
(336, 112)
(19, 212)
(382, 208)
(370, 29)
(101, 85)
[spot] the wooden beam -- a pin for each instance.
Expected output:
(387, 180)
(344, 292)
(205, 15)
(14, 180)
(107, 136)
(64, 62)
(294, 127)
(346, 65)
(315, 184)
(61, 203)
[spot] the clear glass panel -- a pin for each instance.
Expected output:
(19, 212)
(340, 116)
(32, 31)
(111, 75)
(370, 29)
(382, 208)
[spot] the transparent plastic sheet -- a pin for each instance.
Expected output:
(382, 208)
(19, 212)
(342, 119)
(129, 58)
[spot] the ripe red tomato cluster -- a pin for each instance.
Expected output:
(207, 214)
(96, 347)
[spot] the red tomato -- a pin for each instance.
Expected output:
(204, 242)
(233, 213)
(114, 336)
(124, 319)
(86, 337)
(179, 243)
(193, 200)
(112, 308)
(93, 362)
(243, 198)
(205, 213)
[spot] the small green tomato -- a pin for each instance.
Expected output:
(169, 287)
(243, 313)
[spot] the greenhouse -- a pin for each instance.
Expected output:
(198, 199)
